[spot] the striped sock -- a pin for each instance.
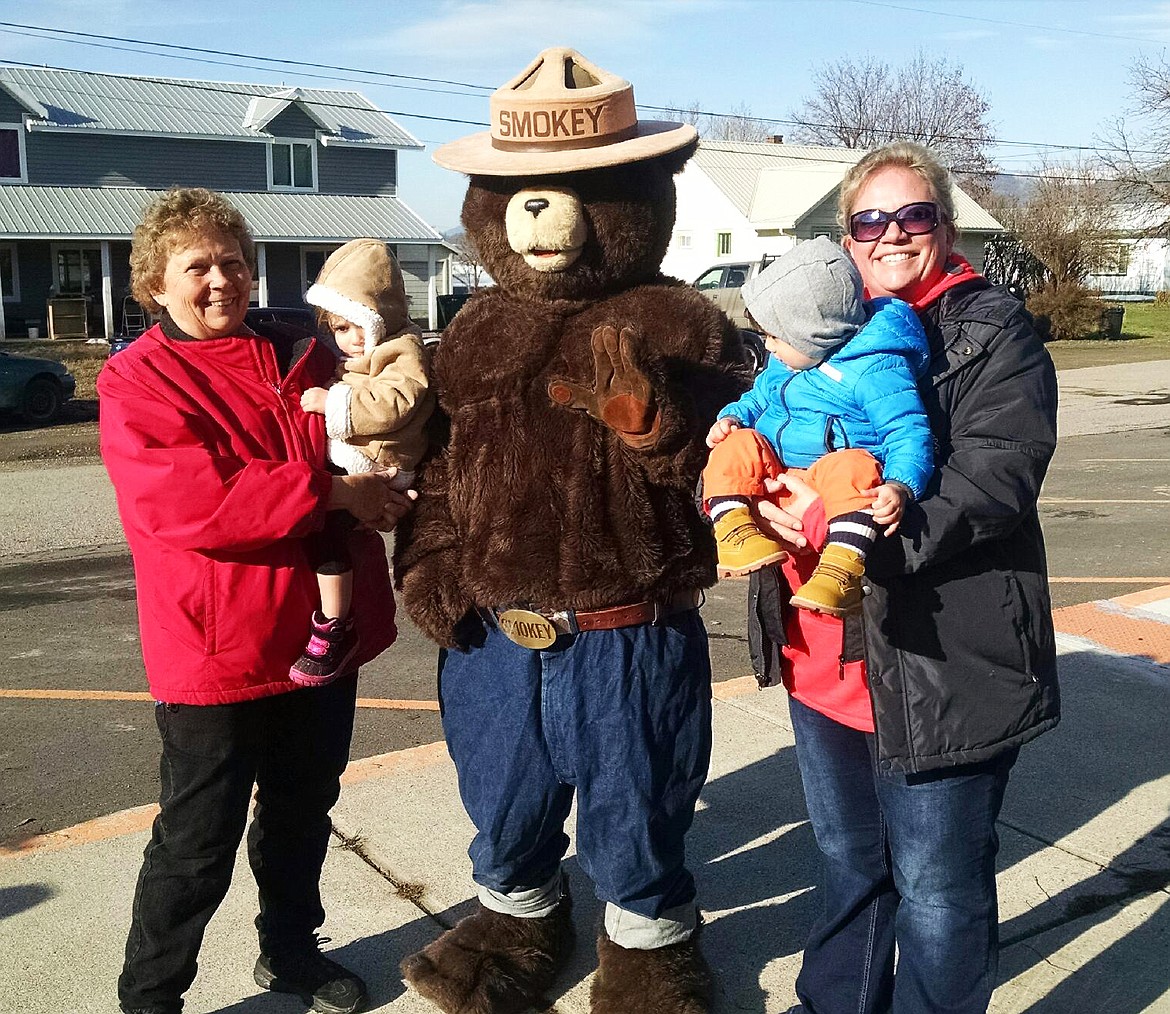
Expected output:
(717, 506)
(855, 530)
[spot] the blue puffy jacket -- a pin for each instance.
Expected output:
(864, 396)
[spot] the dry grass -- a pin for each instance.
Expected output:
(1145, 336)
(80, 358)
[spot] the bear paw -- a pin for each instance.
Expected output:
(666, 980)
(491, 963)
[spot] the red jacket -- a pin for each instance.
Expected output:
(811, 662)
(218, 474)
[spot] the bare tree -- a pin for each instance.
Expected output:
(865, 103)
(468, 267)
(1138, 143)
(1058, 236)
(738, 125)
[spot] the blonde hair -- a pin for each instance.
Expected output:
(904, 155)
(173, 218)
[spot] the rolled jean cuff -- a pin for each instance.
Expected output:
(638, 933)
(525, 902)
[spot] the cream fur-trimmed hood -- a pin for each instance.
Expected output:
(362, 282)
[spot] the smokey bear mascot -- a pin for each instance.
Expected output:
(556, 552)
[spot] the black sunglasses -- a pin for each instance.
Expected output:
(915, 219)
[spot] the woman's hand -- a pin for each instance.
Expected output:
(313, 400)
(371, 498)
(785, 524)
(718, 432)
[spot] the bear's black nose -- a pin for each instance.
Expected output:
(535, 205)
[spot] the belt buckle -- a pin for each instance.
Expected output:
(530, 629)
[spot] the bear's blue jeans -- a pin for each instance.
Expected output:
(623, 717)
(907, 859)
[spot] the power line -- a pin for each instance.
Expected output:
(8, 27)
(60, 34)
(1008, 24)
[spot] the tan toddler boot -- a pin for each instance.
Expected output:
(835, 585)
(742, 546)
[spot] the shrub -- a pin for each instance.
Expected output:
(1070, 311)
(1162, 297)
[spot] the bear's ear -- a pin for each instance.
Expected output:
(675, 160)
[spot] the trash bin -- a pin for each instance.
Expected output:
(1112, 318)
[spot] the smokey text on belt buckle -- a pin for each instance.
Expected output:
(526, 628)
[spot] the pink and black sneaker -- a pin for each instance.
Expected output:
(332, 643)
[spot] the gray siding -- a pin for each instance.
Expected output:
(358, 172)
(11, 111)
(414, 277)
(36, 276)
(293, 122)
(110, 160)
(107, 160)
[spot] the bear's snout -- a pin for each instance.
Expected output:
(547, 227)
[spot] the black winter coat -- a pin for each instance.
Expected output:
(958, 637)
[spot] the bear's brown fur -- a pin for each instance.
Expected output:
(537, 496)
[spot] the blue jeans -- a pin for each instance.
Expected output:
(907, 859)
(623, 717)
(293, 747)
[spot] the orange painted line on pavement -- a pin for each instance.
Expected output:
(1102, 623)
(1114, 580)
(1143, 598)
(130, 695)
(725, 690)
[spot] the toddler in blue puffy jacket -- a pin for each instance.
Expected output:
(837, 404)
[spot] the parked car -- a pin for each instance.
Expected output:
(273, 322)
(35, 388)
(721, 283)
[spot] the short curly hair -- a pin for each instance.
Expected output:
(902, 155)
(171, 220)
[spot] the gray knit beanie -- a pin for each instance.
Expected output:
(810, 298)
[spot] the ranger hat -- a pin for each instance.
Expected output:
(810, 298)
(562, 113)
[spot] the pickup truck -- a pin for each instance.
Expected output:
(721, 284)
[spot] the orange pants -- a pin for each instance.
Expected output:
(740, 463)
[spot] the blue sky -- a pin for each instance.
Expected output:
(1055, 71)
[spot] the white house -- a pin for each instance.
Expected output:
(1135, 261)
(740, 200)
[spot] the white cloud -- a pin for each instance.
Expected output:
(483, 33)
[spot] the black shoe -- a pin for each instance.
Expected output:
(323, 984)
(151, 1010)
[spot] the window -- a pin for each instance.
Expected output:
(682, 240)
(9, 274)
(1110, 259)
(12, 168)
(292, 165)
(712, 279)
(79, 270)
(722, 244)
(312, 258)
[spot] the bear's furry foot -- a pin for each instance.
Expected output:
(491, 963)
(667, 980)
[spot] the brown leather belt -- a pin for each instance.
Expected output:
(522, 624)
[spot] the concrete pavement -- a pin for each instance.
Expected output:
(1085, 863)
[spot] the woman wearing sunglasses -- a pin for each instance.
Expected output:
(952, 658)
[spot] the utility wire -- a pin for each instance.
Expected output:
(7, 27)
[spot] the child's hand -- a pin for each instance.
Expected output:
(313, 400)
(888, 504)
(718, 433)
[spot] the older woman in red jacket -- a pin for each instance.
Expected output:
(219, 477)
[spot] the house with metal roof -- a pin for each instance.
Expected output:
(739, 201)
(82, 154)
